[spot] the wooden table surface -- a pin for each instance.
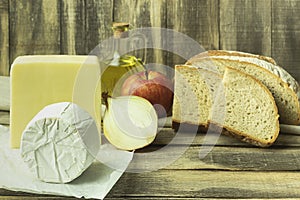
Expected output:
(232, 169)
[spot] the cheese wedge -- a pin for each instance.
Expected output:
(58, 144)
(37, 81)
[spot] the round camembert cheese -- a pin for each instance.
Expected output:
(58, 144)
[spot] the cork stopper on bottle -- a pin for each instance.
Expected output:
(120, 29)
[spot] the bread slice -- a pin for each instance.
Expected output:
(250, 108)
(194, 94)
(283, 86)
(239, 103)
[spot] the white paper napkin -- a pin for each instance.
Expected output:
(95, 182)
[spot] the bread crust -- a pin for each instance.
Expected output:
(247, 138)
(225, 131)
(277, 70)
(273, 68)
(230, 53)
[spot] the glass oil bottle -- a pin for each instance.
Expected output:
(123, 62)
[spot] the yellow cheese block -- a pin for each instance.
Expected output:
(37, 81)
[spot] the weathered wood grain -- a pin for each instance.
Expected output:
(4, 38)
(286, 35)
(239, 160)
(4, 93)
(208, 184)
(292, 129)
(166, 135)
(227, 154)
(144, 14)
(246, 26)
(140, 14)
(201, 184)
(4, 118)
(85, 24)
(73, 27)
(190, 198)
(10, 195)
(254, 159)
(34, 198)
(99, 18)
(130, 198)
(34, 27)
(242, 25)
(198, 19)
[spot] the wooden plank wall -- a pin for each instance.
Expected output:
(4, 38)
(268, 27)
(34, 27)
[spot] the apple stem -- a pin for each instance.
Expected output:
(146, 70)
(105, 96)
(146, 74)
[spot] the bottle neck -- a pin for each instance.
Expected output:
(120, 30)
(123, 50)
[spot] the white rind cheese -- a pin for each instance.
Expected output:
(59, 143)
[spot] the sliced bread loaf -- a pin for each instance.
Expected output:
(244, 107)
(283, 86)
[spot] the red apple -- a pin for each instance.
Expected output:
(153, 86)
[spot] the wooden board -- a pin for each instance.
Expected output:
(143, 14)
(246, 26)
(232, 169)
(166, 135)
(4, 38)
(4, 118)
(37, 31)
(73, 27)
(99, 18)
(199, 20)
(286, 35)
(188, 17)
(194, 184)
(266, 27)
(208, 184)
(85, 24)
(4, 93)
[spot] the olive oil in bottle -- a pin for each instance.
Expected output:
(121, 66)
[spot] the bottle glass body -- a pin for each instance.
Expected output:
(121, 65)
